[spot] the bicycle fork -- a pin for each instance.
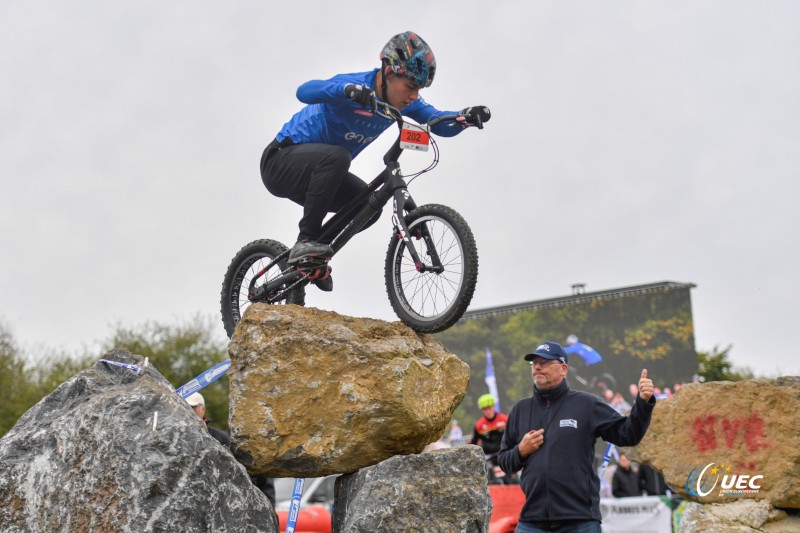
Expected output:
(403, 203)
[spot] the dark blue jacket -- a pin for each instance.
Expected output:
(559, 479)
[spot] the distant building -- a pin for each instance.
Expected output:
(642, 326)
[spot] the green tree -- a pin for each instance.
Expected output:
(23, 384)
(715, 366)
(16, 391)
(180, 352)
(54, 368)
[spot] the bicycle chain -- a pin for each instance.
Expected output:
(303, 278)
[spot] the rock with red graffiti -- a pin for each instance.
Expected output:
(722, 441)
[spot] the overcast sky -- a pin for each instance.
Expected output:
(631, 142)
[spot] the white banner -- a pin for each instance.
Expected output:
(647, 514)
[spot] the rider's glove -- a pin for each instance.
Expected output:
(476, 115)
(361, 95)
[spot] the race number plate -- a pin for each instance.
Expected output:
(414, 137)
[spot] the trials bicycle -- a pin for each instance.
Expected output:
(431, 264)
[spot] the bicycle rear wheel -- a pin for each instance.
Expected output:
(428, 301)
(245, 265)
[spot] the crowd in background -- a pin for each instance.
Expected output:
(623, 477)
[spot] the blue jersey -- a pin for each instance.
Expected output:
(332, 118)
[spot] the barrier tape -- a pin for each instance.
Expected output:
(294, 508)
(135, 368)
(606, 459)
(203, 380)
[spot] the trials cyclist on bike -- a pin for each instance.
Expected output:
(308, 162)
(488, 432)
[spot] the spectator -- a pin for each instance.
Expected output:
(625, 482)
(266, 485)
(634, 390)
(198, 403)
(439, 444)
(263, 483)
(551, 437)
(608, 396)
(651, 482)
(488, 434)
(456, 437)
(659, 394)
(619, 404)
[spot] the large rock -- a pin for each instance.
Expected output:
(314, 393)
(86, 458)
(443, 491)
(747, 428)
(740, 516)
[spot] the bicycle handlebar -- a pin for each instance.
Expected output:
(397, 116)
(394, 114)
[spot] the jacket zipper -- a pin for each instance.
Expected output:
(546, 465)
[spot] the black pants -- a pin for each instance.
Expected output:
(315, 176)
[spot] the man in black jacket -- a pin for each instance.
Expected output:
(551, 436)
(625, 482)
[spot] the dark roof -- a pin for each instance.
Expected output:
(583, 297)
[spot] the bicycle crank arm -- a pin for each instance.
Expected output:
(262, 292)
(281, 294)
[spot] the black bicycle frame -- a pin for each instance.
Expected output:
(350, 219)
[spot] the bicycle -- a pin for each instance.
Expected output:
(431, 264)
(495, 474)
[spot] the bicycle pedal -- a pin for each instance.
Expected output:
(316, 274)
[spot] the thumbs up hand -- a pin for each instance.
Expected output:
(645, 387)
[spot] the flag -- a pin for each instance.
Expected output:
(587, 353)
(491, 381)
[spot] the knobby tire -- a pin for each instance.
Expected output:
(430, 302)
(245, 264)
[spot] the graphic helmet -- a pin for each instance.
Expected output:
(487, 400)
(407, 54)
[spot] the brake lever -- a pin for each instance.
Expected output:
(473, 120)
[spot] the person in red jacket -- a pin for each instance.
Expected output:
(488, 434)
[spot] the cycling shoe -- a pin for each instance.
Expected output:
(303, 249)
(324, 284)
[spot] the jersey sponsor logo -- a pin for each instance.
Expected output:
(359, 138)
(569, 423)
(363, 112)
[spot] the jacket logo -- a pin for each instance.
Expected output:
(569, 423)
(351, 136)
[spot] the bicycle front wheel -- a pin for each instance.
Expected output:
(245, 265)
(433, 299)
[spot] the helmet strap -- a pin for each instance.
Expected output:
(384, 68)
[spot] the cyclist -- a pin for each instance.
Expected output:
(308, 161)
(488, 433)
